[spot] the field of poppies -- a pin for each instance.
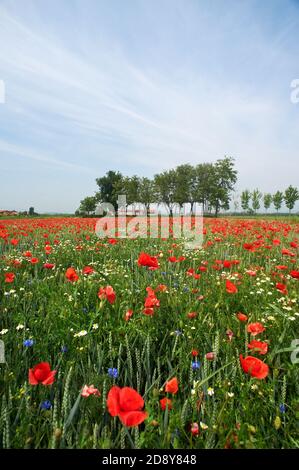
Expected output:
(142, 343)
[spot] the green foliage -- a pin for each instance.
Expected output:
(267, 200)
(277, 200)
(147, 351)
(87, 205)
(206, 183)
(245, 199)
(256, 197)
(291, 196)
(107, 185)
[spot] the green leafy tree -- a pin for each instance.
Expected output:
(127, 186)
(165, 187)
(256, 197)
(146, 193)
(31, 211)
(203, 184)
(223, 181)
(291, 196)
(107, 187)
(245, 199)
(267, 200)
(277, 200)
(88, 205)
(185, 179)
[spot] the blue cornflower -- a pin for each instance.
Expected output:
(164, 273)
(112, 372)
(178, 333)
(46, 405)
(28, 343)
(195, 365)
(282, 408)
(64, 349)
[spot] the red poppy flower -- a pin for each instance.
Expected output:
(127, 404)
(150, 302)
(90, 390)
(258, 346)
(172, 386)
(249, 246)
(9, 277)
(242, 316)
(161, 288)
(49, 266)
(87, 270)
(190, 272)
(194, 352)
(194, 428)
(166, 403)
(227, 264)
(255, 367)
(107, 293)
(192, 315)
(294, 274)
(41, 373)
(251, 272)
(34, 260)
(146, 260)
(282, 288)
(17, 263)
(149, 311)
(71, 275)
(230, 287)
(210, 356)
(255, 328)
(128, 315)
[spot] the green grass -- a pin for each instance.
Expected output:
(243, 412)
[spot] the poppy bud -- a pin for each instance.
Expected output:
(210, 356)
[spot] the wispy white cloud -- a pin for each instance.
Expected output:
(22, 152)
(145, 107)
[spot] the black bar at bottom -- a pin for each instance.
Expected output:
(146, 458)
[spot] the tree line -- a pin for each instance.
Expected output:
(208, 184)
(251, 201)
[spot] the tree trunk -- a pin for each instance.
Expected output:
(192, 207)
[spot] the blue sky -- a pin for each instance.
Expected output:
(140, 86)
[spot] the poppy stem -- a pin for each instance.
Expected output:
(129, 437)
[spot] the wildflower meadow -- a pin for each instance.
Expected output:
(121, 343)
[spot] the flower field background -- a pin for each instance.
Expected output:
(121, 343)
